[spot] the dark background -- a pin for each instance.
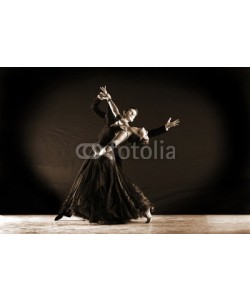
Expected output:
(45, 114)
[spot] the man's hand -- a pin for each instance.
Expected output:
(170, 124)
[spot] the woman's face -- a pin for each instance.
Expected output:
(131, 114)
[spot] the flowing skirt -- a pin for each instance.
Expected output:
(102, 193)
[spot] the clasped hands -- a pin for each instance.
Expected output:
(104, 95)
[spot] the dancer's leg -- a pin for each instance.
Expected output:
(148, 215)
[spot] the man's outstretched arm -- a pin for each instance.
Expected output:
(162, 129)
(156, 131)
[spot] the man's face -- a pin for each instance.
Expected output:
(131, 114)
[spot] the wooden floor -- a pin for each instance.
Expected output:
(160, 224)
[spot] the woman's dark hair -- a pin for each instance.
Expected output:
(136, 140)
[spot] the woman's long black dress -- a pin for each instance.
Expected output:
(101, 192)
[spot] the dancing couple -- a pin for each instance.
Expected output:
(101, 192)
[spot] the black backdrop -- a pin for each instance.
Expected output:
(45, 114)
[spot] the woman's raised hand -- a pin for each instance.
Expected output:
(170, 124)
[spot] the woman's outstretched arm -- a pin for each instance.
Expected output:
(105, 95)
(114, 108)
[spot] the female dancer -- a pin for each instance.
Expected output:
(101, 192)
